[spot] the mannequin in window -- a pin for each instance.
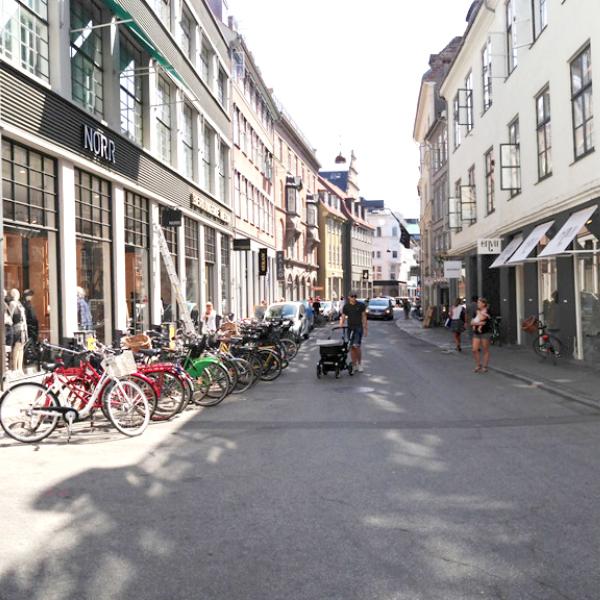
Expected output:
(33, 326)
(84, 314)
(19, 321)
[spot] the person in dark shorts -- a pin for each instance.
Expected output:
(355, 316)
(482, 331)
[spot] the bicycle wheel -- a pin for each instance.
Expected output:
(172, 395)
(290, 347)
(127, 407)
(148, 390)
(245, 377)
(231, 371)
(24, 413)
(216, 381)
(270, 365)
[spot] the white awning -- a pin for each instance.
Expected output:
(507, 252)
(532, 240)
(568, 232)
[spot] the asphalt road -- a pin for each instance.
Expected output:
(417, 479)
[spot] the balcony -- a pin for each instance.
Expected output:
(293, 185)
(312, 231)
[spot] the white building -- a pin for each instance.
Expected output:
(522, 163)
(392, 261)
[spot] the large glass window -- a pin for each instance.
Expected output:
(163, 119)
(581, 98)
(544, 138)
(93, 209)
(192, 267)
(137, 219)
(511, 37)
(486, 74)
(86, 56)
(187, 141)
(210, 259)
(490, 183)
(222, 168)
(131, 89)
(208, 159)
(29, 252)
(24, 34)
(186, 28)
(540, 17)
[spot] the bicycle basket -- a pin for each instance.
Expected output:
(530, 324)
(120, 365)
(137, 342)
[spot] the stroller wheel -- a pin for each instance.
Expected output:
(350, 369)
(319, 371)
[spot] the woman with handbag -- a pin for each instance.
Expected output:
(457, 322)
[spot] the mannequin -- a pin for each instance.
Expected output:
(19, 320)
(84, 314)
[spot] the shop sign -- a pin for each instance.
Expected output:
(280, 265)
(242, 244)
(170, 217)
(97, 143)
(365, 274)
(452, 269)
(262, 262)
(489, 246)
(210, 207)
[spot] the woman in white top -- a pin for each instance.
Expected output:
(209, 319)
(457, 324)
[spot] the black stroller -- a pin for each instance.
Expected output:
(334, 354)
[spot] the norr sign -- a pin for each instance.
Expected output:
(99, 144)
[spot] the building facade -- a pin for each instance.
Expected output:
(297, 224)
(332, 225)
(127, 119)
(522, 166)
(392, 260)
(358, 234)
(254, 115)
(431, 133)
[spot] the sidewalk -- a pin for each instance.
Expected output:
(568, 379)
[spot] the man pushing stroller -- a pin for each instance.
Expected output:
(355, 316)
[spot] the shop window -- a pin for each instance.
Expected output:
(225, 274)
(167, 291)
(86, 56)
(192, 267)
(210, 259)
(93, 208)
(131, 89)
(137, 279)
(24, 35)
(29, 250)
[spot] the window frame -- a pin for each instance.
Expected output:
(486, 75)
(544, 128)
(490, 180)
(581, 94)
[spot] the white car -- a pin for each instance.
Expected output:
(327, 310)
(293, 311)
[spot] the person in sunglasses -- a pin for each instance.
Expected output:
(355, 317)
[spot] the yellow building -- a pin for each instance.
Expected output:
(332, 222)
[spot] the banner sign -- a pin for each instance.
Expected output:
(279, 265)
(452, 269)
(241, 244)
(98, 144)
(262, 262)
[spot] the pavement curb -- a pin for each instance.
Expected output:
(551, 389)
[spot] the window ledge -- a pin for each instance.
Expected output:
(584, 155)
(542, 179)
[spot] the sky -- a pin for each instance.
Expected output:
(349, 72)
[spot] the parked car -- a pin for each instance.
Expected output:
(380, 308)
(295, 312)
(327, 310)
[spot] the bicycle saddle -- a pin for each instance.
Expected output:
(50, 367)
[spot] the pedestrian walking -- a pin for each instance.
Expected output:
(458, 317)
(481, 328)
(406, 308)
(355, 315)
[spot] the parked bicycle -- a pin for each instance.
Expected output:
(544, 344)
